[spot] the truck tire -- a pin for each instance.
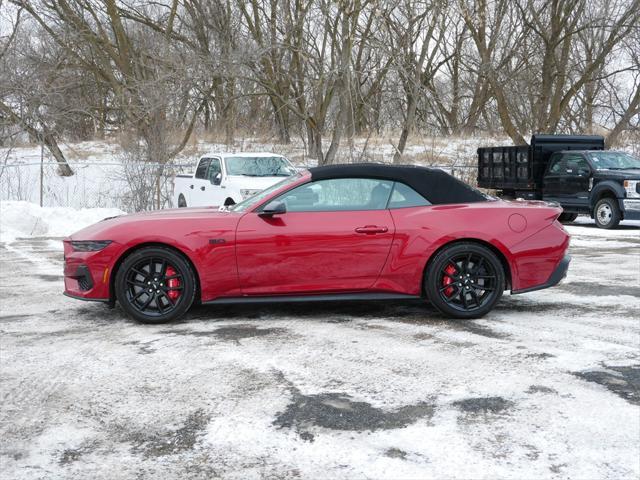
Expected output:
(607, 213)
(566, 217)
(181, 201)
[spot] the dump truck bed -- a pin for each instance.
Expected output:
(522, 167)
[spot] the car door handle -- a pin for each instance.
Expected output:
(202, 188)
(371, 229)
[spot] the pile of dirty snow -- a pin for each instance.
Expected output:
(25, 219)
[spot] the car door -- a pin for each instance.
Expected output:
(578, 171)
(214, 192)
(207, 190)
(555, 178)
(198, 185)
(334, 237)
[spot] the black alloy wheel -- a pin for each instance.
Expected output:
(465, 280)
(155, 285)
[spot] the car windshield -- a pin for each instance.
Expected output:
(259, 166)
(613, 161)
(257, 198)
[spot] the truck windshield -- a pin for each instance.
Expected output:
(259, 166)
(257, 198)
(613, 161)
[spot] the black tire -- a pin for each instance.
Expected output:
(508, 195)
(167, 295)
(566, 217)
(607, 213)
(455, 276)
(182, 202)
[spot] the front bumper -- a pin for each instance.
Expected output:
(556, 277)
(631, 209)
(87, 274)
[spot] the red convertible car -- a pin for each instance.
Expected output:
(342, 232)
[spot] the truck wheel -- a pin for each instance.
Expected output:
(607, 213)
(181, 201)
(566, 217)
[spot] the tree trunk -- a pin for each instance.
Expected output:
(409, 121)
(632, 110)
(282, 119)
(44, 136)
(314, 140)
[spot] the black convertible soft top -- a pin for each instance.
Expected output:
(433, 184)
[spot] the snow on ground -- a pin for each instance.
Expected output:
(25, 219)
(545, 386)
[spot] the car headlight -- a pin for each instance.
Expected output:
(89, 245)
(246, 193)
(632, 187)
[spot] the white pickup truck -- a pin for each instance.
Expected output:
(228, 178)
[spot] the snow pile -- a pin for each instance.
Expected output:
(25, 219)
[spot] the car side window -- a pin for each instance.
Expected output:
(404, 196)
(214, 169)
(338, 194)
(558, 164)
(203, 166)
(575, 164)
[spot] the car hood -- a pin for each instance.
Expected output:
(113, 227)
(631, 173)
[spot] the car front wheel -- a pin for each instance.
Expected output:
(464, 280)
(607, 213)
(155, 285)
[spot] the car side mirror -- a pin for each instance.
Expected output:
(583, 172)
(217, 180)
(273, 208)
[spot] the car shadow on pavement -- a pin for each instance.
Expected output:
(330, 312)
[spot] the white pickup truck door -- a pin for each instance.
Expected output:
(203, 190)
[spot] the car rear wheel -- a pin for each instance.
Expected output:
(566, 217)
(464, 280)
(607, 213)
(155, 285)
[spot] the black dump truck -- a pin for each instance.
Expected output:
(573, 170)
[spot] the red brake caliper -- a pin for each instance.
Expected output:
(446, 280)
(172, 283)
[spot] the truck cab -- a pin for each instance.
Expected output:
(602, 183)
(223, 179)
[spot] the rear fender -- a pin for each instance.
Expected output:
(420, 232)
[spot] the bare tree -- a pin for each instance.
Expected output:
(27, 91)
(321, 70)
(414, 29)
